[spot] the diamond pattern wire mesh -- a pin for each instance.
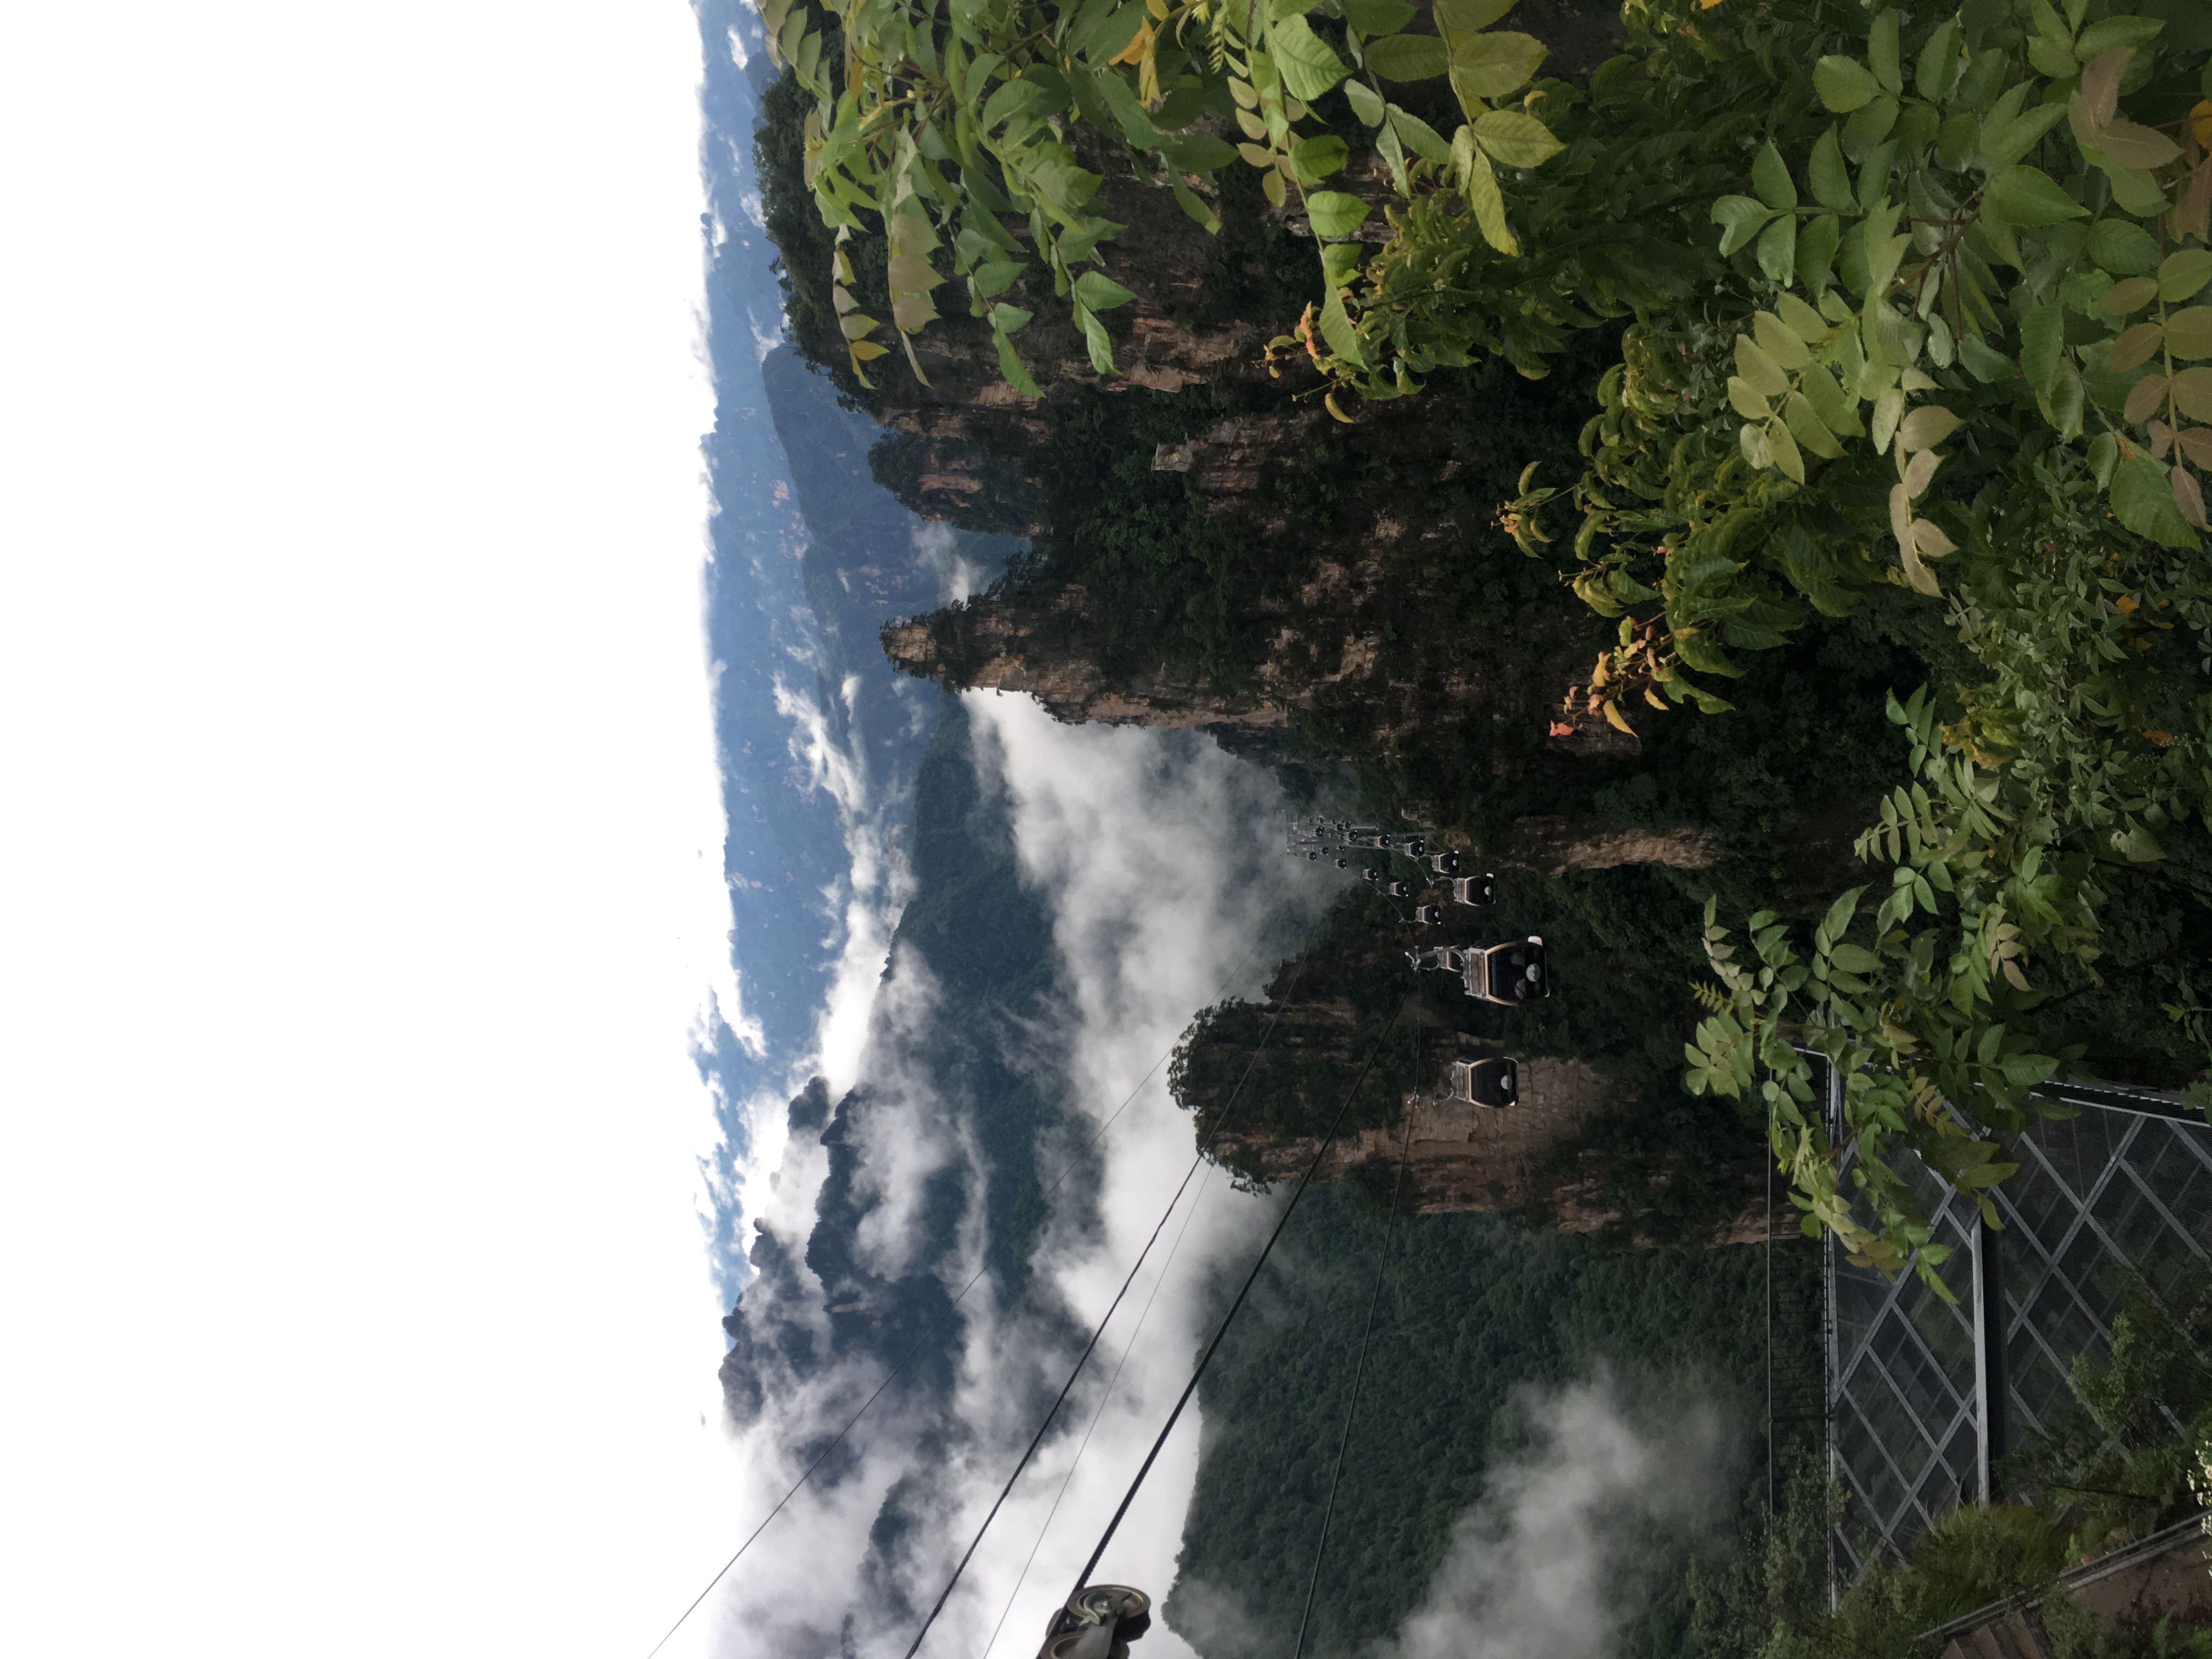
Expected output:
(1922, 1392)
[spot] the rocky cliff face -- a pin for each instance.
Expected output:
(1458, 1158)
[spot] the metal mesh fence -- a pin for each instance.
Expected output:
(1923, 1394)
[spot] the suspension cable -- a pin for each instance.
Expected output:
(922, 1341)
(1222, 1330)
(1359, 1375)
(1135, 1267)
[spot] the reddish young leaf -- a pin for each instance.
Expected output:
(2145, 400)
(2187, 497)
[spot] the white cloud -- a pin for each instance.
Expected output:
(1157, 858)
(957, 576)
(1555, 1557)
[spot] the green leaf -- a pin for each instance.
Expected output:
(1366, 103)
(1010, 362)
(1741, 218)
(1308, 67)
(2183, 273)
(2104, 454)
(1471, 13)
(1101, 344)
(1372, 17)
(2042, 341)
(1844, 84)
(1336, 328)
(1816, 250)
(1517, 140)
(1100, 292)
(1882, 53)
(1025, 97)
(1314, 159)
(1492, 65)
(1332, 213)
(1110, 35)
(1831, 182)
(2006, 135)
(1199, 152)
(1407, 56)
(2143, 500)
(1852, 959)
(1418, 136)
(1770, 177)
(2028, 197)
(2101, 38)
(1939, 64)
(2122, 247)
(1984, 363)
(1868, 128)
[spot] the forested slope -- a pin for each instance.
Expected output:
(1475, 1310)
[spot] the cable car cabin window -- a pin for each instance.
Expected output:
(1428, 915)
(1445, 863)
(1492, 1083)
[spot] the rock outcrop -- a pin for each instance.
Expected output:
(1459, 1156)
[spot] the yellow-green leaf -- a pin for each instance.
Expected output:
(1407, 56)
(1333, 213)
(1805, 425)
(2133, 295)
(1787, 461)
(1926, 426)
(1491, 65)
(2183, 274)
(1778, 341)
(1482, 195)
(1517, 140)
(1759, 371)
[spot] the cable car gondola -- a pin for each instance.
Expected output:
(1493, 1083)
(1515, 972)
(1098, 1622)
(1475, 890)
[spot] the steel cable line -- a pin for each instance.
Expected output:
(1128, 1347)
(922, 1341)
(1206, 1358)
(1359, 1375)
(1135, 1267)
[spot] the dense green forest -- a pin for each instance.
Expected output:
(1475, 1310)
